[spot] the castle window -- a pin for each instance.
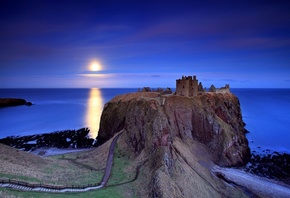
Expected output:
(183, 86)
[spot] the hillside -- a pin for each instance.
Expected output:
(9, 159)
(78, 169)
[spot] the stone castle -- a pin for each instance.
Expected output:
(189, 86)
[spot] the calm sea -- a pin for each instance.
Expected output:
(55, 109)
(265, 111)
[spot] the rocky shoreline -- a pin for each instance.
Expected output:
(270, 164)
(61, 139)
(9, 102)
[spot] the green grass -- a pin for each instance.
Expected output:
(71, 175)
(119, 175)
(66, 156)
(19, 177)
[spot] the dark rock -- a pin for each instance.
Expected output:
(62, 139)
(7, 102)
(271, 165)
(28, 104)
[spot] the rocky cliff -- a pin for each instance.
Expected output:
(179, 139)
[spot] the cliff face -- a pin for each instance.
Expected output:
(181, 138)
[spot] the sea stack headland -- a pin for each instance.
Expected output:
(9, 102)
(179, 137)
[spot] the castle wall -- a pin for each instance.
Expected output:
(188, 86)
(223, 91)
(194, 87)
(182, 87)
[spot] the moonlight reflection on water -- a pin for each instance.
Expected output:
(94, 111)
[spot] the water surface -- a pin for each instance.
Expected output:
(54, 110)
(267, 117)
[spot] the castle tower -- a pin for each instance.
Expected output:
(187, 86)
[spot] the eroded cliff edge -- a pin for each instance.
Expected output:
(179, 139)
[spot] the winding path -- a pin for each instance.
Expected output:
(43, 188)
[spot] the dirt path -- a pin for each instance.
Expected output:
(110, 160)
(50, 188)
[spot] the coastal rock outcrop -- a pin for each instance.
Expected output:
(7, 102)
(272, 165)
(152, 121)
(180, 138)
(60, 139)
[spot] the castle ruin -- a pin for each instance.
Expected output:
(188, 86)
(225, 89)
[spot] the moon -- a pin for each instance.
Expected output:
(95, 66)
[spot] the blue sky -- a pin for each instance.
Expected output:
(144, 43)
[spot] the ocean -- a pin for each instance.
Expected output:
(265, 112)
(54, 110)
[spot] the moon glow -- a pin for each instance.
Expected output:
(95, 66)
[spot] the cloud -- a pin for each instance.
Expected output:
(96, 75)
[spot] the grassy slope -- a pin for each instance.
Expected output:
(72, 169)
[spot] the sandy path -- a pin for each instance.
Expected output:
(258, 185)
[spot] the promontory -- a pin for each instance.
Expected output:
(177, 138)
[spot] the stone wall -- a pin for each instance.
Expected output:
(223, 90)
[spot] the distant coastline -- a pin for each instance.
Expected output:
(10, 102)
